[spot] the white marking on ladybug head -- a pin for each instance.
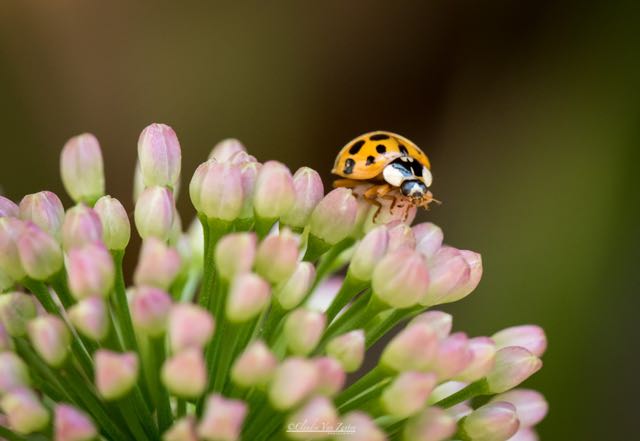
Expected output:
(426, 175)
(393, 175)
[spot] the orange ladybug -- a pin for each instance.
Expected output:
(394, 167)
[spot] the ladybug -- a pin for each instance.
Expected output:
(390, 165)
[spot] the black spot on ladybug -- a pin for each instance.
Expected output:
(378, 137)
(403, 149)
(348, 166)
(355, 148)
(370, 160)
(380, 148)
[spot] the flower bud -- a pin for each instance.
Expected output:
(222, 419)
(331, 376)
(492, 422)
(440, 322)
(348, 349)
(150, 310)
(483, 356)
(8, 208)
(40, 254)
(400, 236)
(303, 330)
(400, 278)
(13, 372)
(294, 289)
(453, 356)
(429, 238)
(24, 411)
(159, 156)
(226, 149)
(45, 210)
(185, 374)
(158, 264)
(235, 254)
(90, 317)
(16, 309)
(308, 192)
(368, 253)
(248, 296)
(531, 407)
(183, 429)
(358, 426)
(460, 410)
(530, 337)
(334, 217)
(513, 365)
(525, 434)
(293, 381)
(115, 373)
(6, 283)
(82, 169)
(446, 389)
(90, 271)
(474, 260)
(249, 174)
(274, 192)
(277, 256)
(116, 229)
(154, 213)
(216, 190)
(318, 412)
(190, 326)
(255, 366)
(408, 393)
(71, 424)
(10, 231)
(6, 344)
(138, 182)
(50, 338)
(412, 349)
(81, 226)
(432, 424)
(448, 270)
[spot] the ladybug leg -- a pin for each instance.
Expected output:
(375, 192)
(346, 183)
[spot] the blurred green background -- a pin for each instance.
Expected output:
(529, 110)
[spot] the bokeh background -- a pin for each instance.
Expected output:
(529, 110)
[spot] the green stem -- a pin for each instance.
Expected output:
(129, 415)
(181, 408)
(157, 352)
(59, 284)
(213, 230)
(274, 318)
(383, 323)
(366, 382)
(263, 226)
(316, 247)
(350, 287)
(475, 389)
(189, 289)
(328, 261)
(9, 435)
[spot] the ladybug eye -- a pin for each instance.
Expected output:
(426, 175)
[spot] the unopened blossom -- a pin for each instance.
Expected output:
(154, 213)
(531, 407)
(277, 256)
(16, 309)
(331, 376)
(248, 296)
(495, 421)
(448, 272)
(216, 190)
(483, 355)
(222, 419)
(429, 238)
(183, 429)
(13, 372)
(235, 254)
(368, 252)
(6, 344)
(432, 424)
(525, 434)
(81, 226)
(45, 210)
(309, 190)
(400, 236)
(184, 374)
(189, 326)
(50, 338)
(303, 329)
(446, 389)
(274, 192)
(414, 348)
(400, 278)
(8, 208)
(317, 412)
(225, 149)
(90, 271)
(150, 310)
(115, 373)
(25, 412)
(158, 264)
(408, 393)
(40, 253)
(248, 176)
(358, 426)
(10, 231)
(116, 228)
(293, 381)
(90, 317)
(255, 366)
(82, 169)
(513, 365)
(334, 217)
(349, 349)
(453, 356)
(530, 337)
(440, 322)
(6, 282)
(159, 156)
(72, 424)
(293, 290)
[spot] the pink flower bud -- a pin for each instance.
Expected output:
(24, 411)
(368, 253)
(16, 309)
(138, 182)
(358, 426)
(274, 192)
(81, 226)
(400, 278)
(432, 424)
(513, 365)
(71, 424)
(82, 169)
(185, 374)
(90, 271)
(235, 254)
(295, 288)
(448, 270)
(277, 256)
(293, 381)
(182, 430)
(154, 213)
(348, 349)
(10, 231)
(318, 413)
(303, 330)
(474, 260)
(6, 344)
(492, 422)
(90, 317)
(525, 434)
(115, 373)
(429, 238)
(453, 356)
(159, 156)
(460, 411)
(150, 310)
(158, 264)
(13, 372)
(530, 337)
(190, 326)
(308, 192)
(50, 338)
(483, 355)
(408, 393)
(255, 366)
(440, 322)
(248, 296)
(334, 218)
(386, 215)
(249, 174)
(446, 389)
(45, 210)
(216, 190)
(412, 349)
(400, 236)
(331, 376)
(40, 254)
(531, 407)
(116, 229)
(8, 208)
(222, 419)
(226, 149)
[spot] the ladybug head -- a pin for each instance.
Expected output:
(414, 189)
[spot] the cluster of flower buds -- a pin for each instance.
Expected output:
(244, 326)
